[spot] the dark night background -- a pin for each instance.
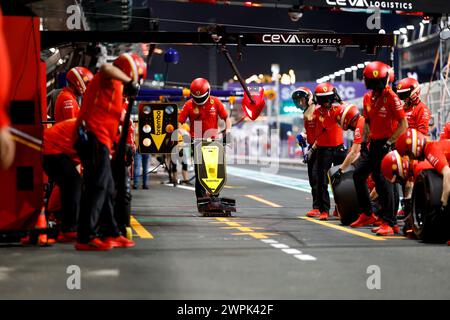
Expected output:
(307, 64)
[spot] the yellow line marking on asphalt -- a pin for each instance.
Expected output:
(256, 235)
(249, 231)
(243, 229)
(351, 231)
(269, 203)
(140, 230)
(231, 224)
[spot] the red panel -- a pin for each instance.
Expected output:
(19, 209)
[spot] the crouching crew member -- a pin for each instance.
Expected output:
(60, 164)
(350, 119)
(304, 100)
(415, 145)
(66, 105)
(203, 112)
(398, 169)
(98, 124)
(329, 141)
(385, 121)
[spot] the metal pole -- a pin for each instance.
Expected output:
(236, 72)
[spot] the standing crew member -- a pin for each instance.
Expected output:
(329, 141)
(60, 164)
(98, 123)
(303, 99)
(416, 112)
(66, 105)
(418, 116)
(7, 146)
(203, 112)
(385, 121)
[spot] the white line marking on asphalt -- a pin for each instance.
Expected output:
(180, 186)
(104, 273)
(285, 248)
(269, 241)
(291, 251)
(279, 246)
(305, 257)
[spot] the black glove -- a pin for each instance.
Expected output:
(387, 147)
(180, 153)
(305, 158)
(308, 155)
(226, 138)
(336, 177)
(444, 209)
(131, 89)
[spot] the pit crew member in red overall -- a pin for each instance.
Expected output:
(303, 99)
(98, 123)
(66, 105)
(60, 164)
(385, 121)
(203, 112)
(329, 140)
(415, 145)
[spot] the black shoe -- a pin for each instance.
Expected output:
(135, 187)
(145, 187)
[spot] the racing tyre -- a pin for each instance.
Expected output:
(429, 223)
(345, 196)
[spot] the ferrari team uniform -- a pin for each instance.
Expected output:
(330, 149)
(418, 117)
(381, 113)
(66, 105)
(60, 162)
(310, 128)
(203, 124)
(100, 115)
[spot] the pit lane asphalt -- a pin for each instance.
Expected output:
(264, 252)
